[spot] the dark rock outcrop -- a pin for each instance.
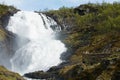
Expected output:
(6, 37)
(4, 18)
(85, 9)
(78, 72)
(40, 75)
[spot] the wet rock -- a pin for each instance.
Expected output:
(40, 75)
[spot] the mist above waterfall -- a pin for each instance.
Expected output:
(37, 47)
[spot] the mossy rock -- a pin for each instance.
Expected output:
(4, 9)
(3, 34)
(8, 75)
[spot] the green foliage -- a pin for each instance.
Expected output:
(64, 15)
(4, 9)
(94, 28)
(93, 36)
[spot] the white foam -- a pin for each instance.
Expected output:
(37, 47)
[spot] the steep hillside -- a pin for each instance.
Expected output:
(92, 29)
(92, 36)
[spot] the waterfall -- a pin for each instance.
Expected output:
(37, 47)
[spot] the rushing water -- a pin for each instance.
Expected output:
(37, 47)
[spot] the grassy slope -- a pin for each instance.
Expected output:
(93, 35)
(8, 75)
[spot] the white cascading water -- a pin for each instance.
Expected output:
(37, 47)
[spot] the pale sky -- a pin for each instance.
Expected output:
(32, 5)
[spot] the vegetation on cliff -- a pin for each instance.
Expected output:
(93, 37)
(91, 28)
(5, 12)
(8, 75)
(4, 9)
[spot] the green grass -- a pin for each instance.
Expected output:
(8, 75)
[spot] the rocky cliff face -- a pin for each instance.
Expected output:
(6, 42)
(6, 37)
